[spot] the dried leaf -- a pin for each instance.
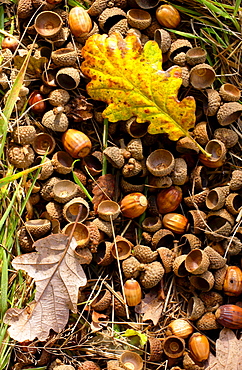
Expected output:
(131, 80)
(78, 109)
(228, 352)
(151, 306)
(58, 275)
(96, 323)
(103, 189)
(35, 67)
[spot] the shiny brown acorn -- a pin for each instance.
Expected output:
(133, 205)
(168, 16)
(180, 327)
(132, 291)
(230, 316)
(199, 347)
(36, 102)
(10, 42)
(169, 199)
(79, 21)
(233, 281)
(76, 143)
(175, 222)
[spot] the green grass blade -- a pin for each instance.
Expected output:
(105, 139)
(1, 23)
(4, 284)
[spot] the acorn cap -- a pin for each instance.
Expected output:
(212, 300)
(152, 224)
(229, 113)
(135, 147)
(235, 246)
(188, 242)
(152, 274)
(144, 253)
(216, 260)
(64, 190)
(54, 210)
(136, 129)
(200, 133)
(179, 173)
(109, 17)
(62, 162)
(20, 156)
(139, 18)
(97, 7)
(114, 156)
(46, 191)
(199, 178)
(84, 255)
(87, 365)
(197, 262)
(179, 267)
(24, 134)
(64, 57)
(160, 162)
(196, 56)
(213, 102)
(25, 240)
(160, 182)
(121, 248)
(197, 200)
(180, 59)
(83, 38)
(130, 186)
(131, 267)
(155, 348)
(59, 97)
(215, 198)
(195, 308)
(219, 276)
(167, 258)
(147, 4)
(207, 322)
(227, 136)
(236, 180)
(71, 209)
(229, 92)
(68, 78)
(163, 238)
(56, 122)
(132, 168)
(178, 46)
(37, 228)
(218, 152)
(108, 210)
(43, 143)
(197, 220)
(45, 171)
(119, 308)
(103, 255)
(103, 226)
(185, 74)
(202, 76)
(163, 39)
(186, 145)
(48, 24)
(25, 9)
(81, 233)
(173, 346)
(131, 361)
(96, 236)
(102, 301)
(203, 282)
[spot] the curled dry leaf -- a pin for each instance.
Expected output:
(97, 318)
(151, 306)
(58, 275)
(228, 352)
(131, 80)
(79, 109)
(103, 189)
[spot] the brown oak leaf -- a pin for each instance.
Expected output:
(228, 352)
(151, 306)
(58, 275)
(103, 189)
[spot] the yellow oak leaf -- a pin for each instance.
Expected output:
(131, 80)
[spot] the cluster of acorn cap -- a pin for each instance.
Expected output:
(192, 247)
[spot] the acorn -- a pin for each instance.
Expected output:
(233, 281)
(199, 347)
(24, 134)
(169, 199)
(133, 205)
(230, 316)
(10, 42)
(175, 222)
(79, 21)
(76, 143)
(132, 291)
(38, 106)
(180, 327)
(168, 16)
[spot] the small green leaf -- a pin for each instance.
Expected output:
(132, 333)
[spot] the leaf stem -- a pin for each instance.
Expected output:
(105, 139)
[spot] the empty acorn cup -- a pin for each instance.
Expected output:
(81, 233)
(203, 282)
(102, 301)
(72, 208)
(64, 190)
(136, 129)
(64, 57)
(62, 162)
(174, 346)
(43, 143)
(131, 361)
(104, 256)
(160, 162)
(163, 39)
(123, 247)
(196, 56)
(218, 151)
(195, 308)
(108, 210)
(197, 261)
(229, 92)
(202, 76)
(138, 18)
(216, 197)
(68, 78)
(48, 24)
